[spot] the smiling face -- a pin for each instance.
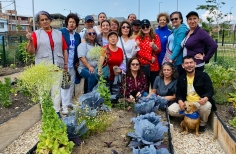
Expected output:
(193, 21)
(176, 21)
(162, 21)
(89, 24)
(125, 29)
(71, 24)
(105, 27)
(134, 65)
(146, 29)
(44, 22)
(131, 18)
(114, 26)
(189, 65)
(91, 35)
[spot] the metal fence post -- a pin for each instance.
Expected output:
(20, 39)
(3, 51)
(215, 55)
(223, 37)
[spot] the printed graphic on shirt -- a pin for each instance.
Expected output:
(192, 96)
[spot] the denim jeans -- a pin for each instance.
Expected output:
(92, 81)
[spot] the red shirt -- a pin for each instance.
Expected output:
(146, 52)
(115, 58)
(64, 45)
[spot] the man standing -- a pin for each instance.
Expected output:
(135, 27)
(89, 23)
(196, 87)
(131, 18)
(72, 40)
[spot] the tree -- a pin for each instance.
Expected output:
(213, 6)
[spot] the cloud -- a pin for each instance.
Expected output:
(225, 18)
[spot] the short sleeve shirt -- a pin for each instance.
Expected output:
(162, 89)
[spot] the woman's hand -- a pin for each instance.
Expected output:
(131, 98)
(99, 72)
(28, 35)
(151, 44)
(91, 70)
(199, 56)
(77, 65)
(153, 59)
(118, 71)
(138, 94)
(137, 43)
(65, 68)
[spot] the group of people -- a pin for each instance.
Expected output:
(170, 61)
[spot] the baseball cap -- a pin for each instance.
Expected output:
(145, 22)
(136, 22)
(88, 17)
(192, 13)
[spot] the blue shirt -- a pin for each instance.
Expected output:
(163, 33)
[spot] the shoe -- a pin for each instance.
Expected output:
(202, 129)
(64, 111)
(71, 106)
(59, 115)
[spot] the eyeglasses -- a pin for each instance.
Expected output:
(135, 64)
(172, 19)
(145, 26)
(92, 33)
(123, 27)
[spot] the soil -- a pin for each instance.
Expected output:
(9, 70)
(19, 104)
(116, 134)
(226, 116)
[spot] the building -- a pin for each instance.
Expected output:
(3, 25)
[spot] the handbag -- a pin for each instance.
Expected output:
(167, 55)
(126, 58)
(105, 69)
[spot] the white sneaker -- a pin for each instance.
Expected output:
(64, 111)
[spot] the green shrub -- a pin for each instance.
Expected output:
(5, 92)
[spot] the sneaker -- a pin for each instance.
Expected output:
(59, 115)
(64, 111)
(202, 129)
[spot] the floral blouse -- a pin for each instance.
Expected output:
(132, 87)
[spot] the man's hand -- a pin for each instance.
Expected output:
(181, 104)
(203, 100)
(91, 70)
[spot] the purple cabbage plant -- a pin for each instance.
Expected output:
(150, 150)
(147, 133)
(149, 116)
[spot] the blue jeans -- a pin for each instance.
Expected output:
(92, 81)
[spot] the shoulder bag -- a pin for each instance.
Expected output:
(126, 58)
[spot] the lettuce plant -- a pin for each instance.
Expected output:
(150, 150)
(147, 133)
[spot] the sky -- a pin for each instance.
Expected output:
(149, 9)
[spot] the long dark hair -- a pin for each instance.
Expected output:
(120, 28)
(128, 72)
(174, 74)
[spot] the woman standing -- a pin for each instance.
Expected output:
(101, 16)
(175, 39)
(125, 42)
(163, 32)
(135, 82)
(49, 44)
(114, 25)
(196, 42)
(103, 38)
(150, 45)
(72, 40)
(165, 83)
(87, 65)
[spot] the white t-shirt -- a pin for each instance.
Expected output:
(129, 47)
(71, 51)
(96, 30)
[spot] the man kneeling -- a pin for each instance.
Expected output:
(196, 87)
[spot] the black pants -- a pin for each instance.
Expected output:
(153, 75)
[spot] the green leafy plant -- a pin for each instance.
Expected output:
(96, 124)
(104, 91)
(26, 57)
(5, 92)
(223, 80)
(54, 136)
(233, 122)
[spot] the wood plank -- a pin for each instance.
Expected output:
(12, 129)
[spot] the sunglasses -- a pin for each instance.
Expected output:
(172, 19)
(135, 64)
(92, 33)
(145, 26)
(123, 27)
